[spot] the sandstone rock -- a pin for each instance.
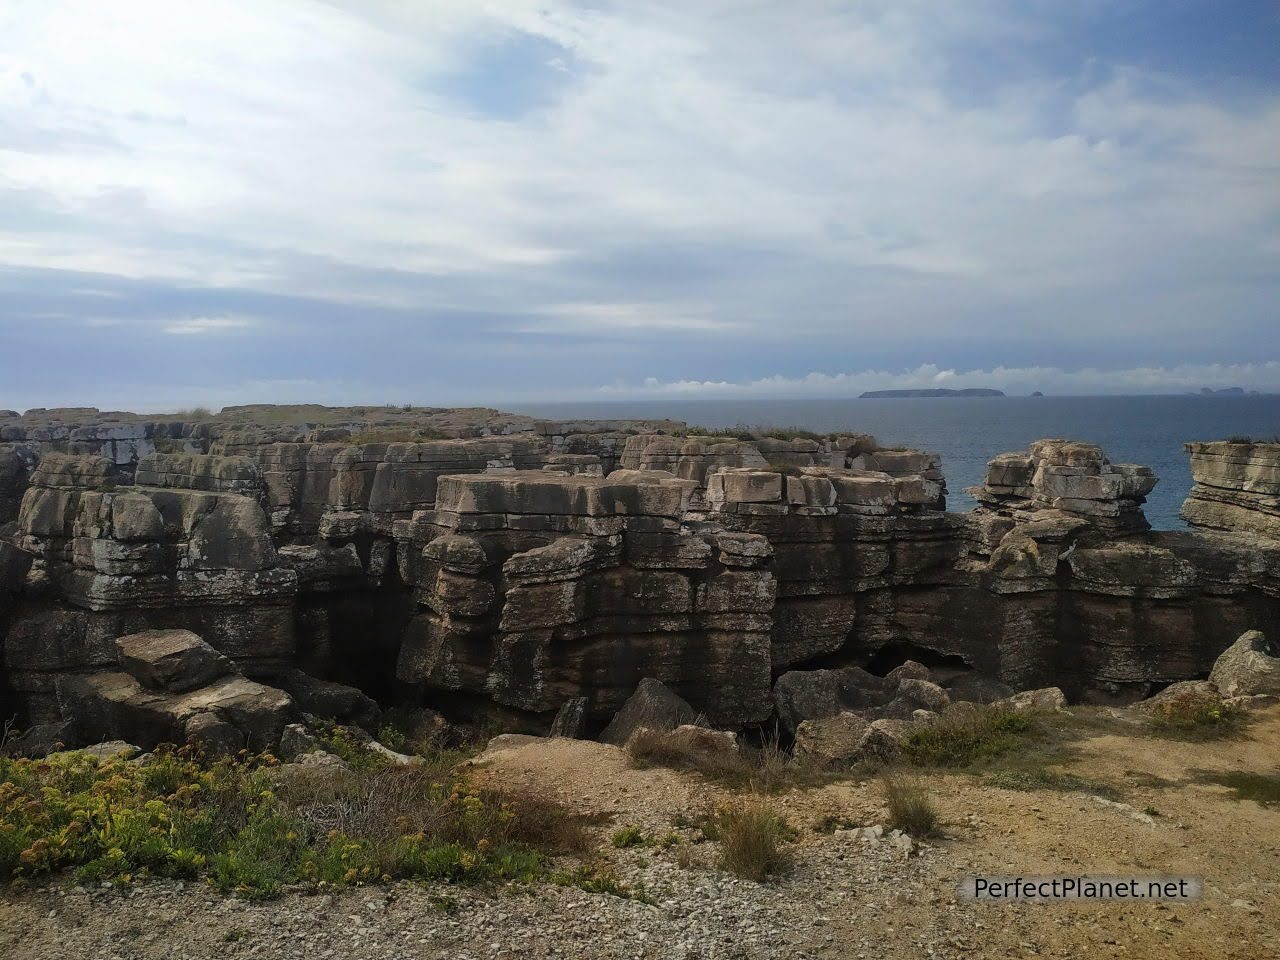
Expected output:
(332, 701)
(882, 742)
(923, 693)
(117, 705)
(977, 688)
(1236, 487)
(908, 670)
(41, 740)
(295, 741)
(171, 660)
(1248, 667)
(652, 705)
(571, 719)
(1046, 698)
(213, 734)
(689, 739)
(833, 740)
(813, 694)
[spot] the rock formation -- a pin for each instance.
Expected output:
(1236, 486)
(490, 564)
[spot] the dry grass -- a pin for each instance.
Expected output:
(752, 837)
(761, 769)
(910, 809)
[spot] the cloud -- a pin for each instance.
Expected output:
(198, 326)
(769, 187)
(1263, 376)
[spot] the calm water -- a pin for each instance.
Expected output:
(968, 432)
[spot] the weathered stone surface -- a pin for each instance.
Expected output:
(801, 695)
(1046, 698)
(1070, 477)
(330, 700)
(836, 740)
(1236, 486)
(512, 567)
(1247, 668)
(117, 705)
(571, 719)
(172, 660)
(652, 705)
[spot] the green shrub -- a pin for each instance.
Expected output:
(631, 836)
(253, 827)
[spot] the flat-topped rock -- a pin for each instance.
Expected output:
(171, 660)
(1235, 486)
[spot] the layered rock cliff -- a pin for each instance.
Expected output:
(518, 565)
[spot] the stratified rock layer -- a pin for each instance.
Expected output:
(489, 563)
(1236, 487)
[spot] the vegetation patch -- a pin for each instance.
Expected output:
(967, 735)
(1194, 716)
(1043, 778)
(910, 808)
(252, 827)
(766, 768)
(752, 839)
(1261, 788)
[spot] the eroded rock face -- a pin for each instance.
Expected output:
(536, 588)
(1249, 667)
(1069, 477)
(1236, 487)
(522, 565)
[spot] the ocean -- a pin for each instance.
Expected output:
(967, 432)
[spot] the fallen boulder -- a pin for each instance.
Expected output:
(653, 705)
(171, 660)
(1247, 668)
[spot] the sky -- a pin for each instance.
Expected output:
(470, 202)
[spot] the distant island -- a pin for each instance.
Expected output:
(935, 392)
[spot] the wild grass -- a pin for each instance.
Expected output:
(969, 734)
(766, 768)
(909, 806)
(1196, 716)
(752, 839)
(253, 827)
(742, 431)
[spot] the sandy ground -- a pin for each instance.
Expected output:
(845, 898)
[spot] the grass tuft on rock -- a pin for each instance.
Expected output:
(1196, 716)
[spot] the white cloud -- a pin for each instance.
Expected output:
(1263, 376)
(197, 326)
(812, 171)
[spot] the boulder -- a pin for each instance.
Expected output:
(213, 734)
(922, 695)
(1246, 668)
(571, 719)
(652, 705)
(830, 741)
(1046, 698)
(171, 660)
(882, 741)
(116, 705)
(690, 740)
(908, 670)
(295, 741)
(332, 701)
(977, 688)
(801, 695)
(41, 740)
